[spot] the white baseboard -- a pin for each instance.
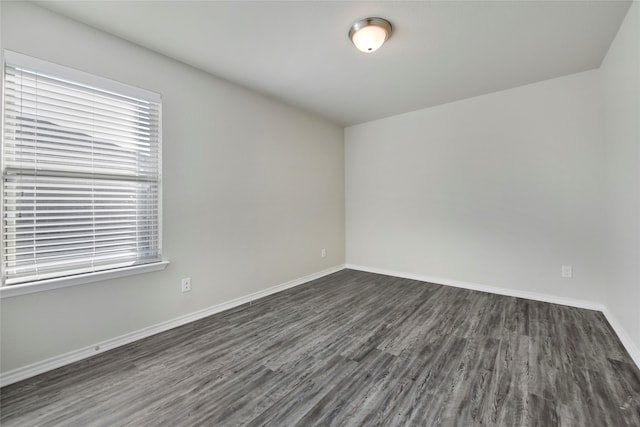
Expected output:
(37, 368)
(55, 362)
(627, 342)
(484, 288)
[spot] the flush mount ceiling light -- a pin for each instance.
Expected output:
(370, 33)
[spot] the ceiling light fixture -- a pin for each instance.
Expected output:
(370, 33)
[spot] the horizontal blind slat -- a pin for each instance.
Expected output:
(16, 73)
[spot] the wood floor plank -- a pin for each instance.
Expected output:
(290, 408)
(507, 396)
(352, 348)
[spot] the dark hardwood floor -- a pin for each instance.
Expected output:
(352, 348)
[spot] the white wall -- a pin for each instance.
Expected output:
(253, 189)
(498, 190)
(621, 88)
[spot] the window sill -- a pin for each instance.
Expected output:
(80, 279)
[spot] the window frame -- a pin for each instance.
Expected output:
(102, 83)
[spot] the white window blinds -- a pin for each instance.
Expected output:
(81, 173)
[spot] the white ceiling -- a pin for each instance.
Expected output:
(298, 51)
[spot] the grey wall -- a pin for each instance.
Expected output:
(497, 190)
(621, 89)
(253, 190)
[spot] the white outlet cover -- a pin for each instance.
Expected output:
(567, 271)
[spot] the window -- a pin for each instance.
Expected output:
(81, 174)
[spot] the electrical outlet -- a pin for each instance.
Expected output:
(323, 253)
(186, 284)
(567, 272)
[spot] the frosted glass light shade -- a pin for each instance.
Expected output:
(369, 34)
